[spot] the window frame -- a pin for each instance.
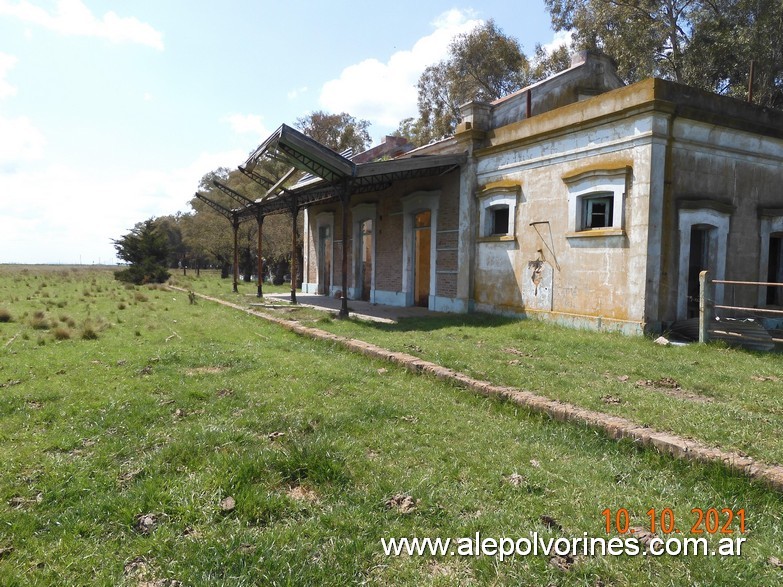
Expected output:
(591, 186)
(493, 219)
(588, 203)
(491, 201)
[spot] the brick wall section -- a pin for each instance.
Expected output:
(448, 213)
(389, 234)
(447, 238)
(388, 246)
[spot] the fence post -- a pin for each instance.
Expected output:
(705, 305)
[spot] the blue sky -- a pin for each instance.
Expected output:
(111, 112)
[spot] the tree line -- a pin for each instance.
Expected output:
(708, 44)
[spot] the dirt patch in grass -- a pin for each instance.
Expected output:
(563, 563)
(670, 387)
(763, 378)
(127, 477)
(299, 493)
(140, 572)
(404, 504)
(515, 479)
(146, 523)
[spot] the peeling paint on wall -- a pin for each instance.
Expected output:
(536, 285)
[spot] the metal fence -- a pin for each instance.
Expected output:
(707, 305)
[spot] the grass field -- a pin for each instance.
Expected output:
(145, 440)
(723, 396)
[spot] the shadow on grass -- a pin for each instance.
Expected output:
(430, 323)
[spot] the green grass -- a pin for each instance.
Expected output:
(727, 397)
(118, 452)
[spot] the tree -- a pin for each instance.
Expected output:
(488, 64)
(548, 64)
(483, 64)
(145, 247)
(703, 43)
(171, 226)
(336, 131)
(728, 35)
(646, 37)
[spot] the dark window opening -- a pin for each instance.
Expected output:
(597, 212)
(775, 270)
(500, 218)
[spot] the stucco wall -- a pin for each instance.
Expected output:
(594, 273)
(733, 172)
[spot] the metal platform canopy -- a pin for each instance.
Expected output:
(328, 176)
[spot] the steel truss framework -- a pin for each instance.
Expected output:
(327, 177)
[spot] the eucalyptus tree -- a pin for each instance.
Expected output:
(703, 43)
(483, 64)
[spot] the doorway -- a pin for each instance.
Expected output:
(775, 270)
(365, 266)
(324, 259)
(698, 261)
(421, 252)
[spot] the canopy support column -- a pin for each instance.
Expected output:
(235, 225)
(294, 251)
(260, 220)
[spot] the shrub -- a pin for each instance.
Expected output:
(89, 333)
(145, 248)
(39, 321)
(61, 333)
(5, 315)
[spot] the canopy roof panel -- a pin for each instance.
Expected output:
(330, 174)
(300, 151)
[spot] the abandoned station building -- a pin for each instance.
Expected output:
(577, 199)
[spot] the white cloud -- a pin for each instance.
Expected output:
(247, 124)
(385, 93)
(6, 63)
(20, 141)
(296, 92)
(558, 40)
(63, 214)
(72, 17)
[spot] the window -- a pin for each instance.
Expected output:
(497, 210)
(596, 201)
(499, 220)
(597, 212)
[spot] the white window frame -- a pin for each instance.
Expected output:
(611, 183)
(492, 200)
(589, 201)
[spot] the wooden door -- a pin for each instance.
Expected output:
(421, 270)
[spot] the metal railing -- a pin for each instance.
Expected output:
(707, 303)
